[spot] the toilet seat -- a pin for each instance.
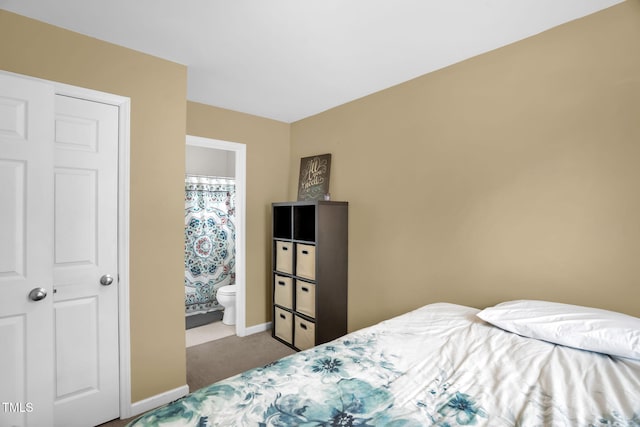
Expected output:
(227, 290)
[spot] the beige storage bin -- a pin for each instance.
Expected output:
(284, 257)
(305, 333)
(283, 326)
(283, 291)
(306, 261)
(306, 298)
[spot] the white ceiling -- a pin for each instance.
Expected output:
(290, 59)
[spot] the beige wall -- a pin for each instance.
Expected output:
(510, 175)
(157, 89)
(267, 144)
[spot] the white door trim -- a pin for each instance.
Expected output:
(240, 151)
(124, 109)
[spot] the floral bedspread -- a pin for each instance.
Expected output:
(436, 366)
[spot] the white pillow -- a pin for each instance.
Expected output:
(575, 326)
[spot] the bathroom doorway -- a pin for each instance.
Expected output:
(222, 162)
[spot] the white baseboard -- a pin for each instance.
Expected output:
(256, 329)
(152, 402)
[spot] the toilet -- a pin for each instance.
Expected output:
(227, 298)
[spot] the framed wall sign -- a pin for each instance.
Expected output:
(313, 183)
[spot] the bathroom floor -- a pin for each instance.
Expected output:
(209, 332)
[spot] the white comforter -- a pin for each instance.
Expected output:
(505, 378)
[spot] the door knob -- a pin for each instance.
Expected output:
(106, 280)
(37, 294)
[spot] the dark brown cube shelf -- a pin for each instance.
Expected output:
(309, 272)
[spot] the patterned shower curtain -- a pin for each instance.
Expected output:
(210, 235)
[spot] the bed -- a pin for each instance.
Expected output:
(441, 365)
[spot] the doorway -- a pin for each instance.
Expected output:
(234, 155)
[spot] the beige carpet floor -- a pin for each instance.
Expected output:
(223, 358)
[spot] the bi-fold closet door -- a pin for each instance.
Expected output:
(59, 361)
